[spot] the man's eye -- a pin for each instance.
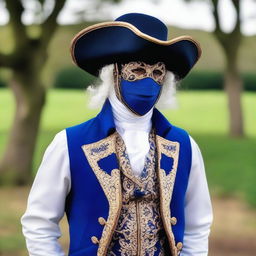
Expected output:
(139, 71)
(157, 73)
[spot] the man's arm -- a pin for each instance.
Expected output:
(198, 208)
(46, 201)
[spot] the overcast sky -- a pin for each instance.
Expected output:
(196, 14)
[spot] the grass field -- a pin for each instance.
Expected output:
(230, 164)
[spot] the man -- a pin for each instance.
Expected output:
(129, 182)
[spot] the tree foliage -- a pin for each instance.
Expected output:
(23, 42)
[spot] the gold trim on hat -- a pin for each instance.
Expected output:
(135, 31)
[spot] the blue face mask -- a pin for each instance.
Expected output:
(140, 95)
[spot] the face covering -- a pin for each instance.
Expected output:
(141, 95)
(139, 85)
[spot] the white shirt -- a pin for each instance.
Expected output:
(52, 183)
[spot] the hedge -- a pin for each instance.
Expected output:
(249, 81)
(2, 83)
(73, 77)
(209, 80)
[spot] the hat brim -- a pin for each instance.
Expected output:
(120, 42)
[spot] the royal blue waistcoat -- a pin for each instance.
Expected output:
(87, 200)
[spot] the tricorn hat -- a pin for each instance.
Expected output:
(133, 37)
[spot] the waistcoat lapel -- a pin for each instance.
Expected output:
(168, 154)
(168, 157)
(101, 156)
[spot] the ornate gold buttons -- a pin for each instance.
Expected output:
(179, 246)
(94, 239)
(173, 221)
(102, 221)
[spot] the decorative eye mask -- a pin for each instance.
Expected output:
(138, 85)
(133, 71)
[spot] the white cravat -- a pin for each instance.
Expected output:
(134, 130)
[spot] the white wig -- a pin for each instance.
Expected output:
(100, 92)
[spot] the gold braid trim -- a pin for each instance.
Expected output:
(135, 31)
(111, 185)
(166, 182)
(117, 78)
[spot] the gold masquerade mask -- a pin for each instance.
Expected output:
(133, 71)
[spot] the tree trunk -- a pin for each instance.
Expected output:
(16, 164)
(234, 87)
(233, 83)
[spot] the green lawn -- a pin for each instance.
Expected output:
(230, 163)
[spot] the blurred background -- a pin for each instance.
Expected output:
(40, 90)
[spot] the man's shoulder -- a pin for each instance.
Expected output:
(80, 126)
(166, 128)
(179, 130)
(87, 132)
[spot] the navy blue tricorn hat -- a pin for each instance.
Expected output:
(133, 37)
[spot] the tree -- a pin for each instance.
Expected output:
(26, 62)
(231, 43)
(233, 85)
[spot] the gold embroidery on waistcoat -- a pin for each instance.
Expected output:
(139, 225)
(111, 185)
(166, 182)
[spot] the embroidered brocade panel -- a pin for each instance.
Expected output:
(139, 231)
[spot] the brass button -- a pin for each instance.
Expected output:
(173, 221)
(94, 239)
(179, 245)
(102, 221)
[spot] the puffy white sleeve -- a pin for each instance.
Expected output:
(46, 201)
(198, 208)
